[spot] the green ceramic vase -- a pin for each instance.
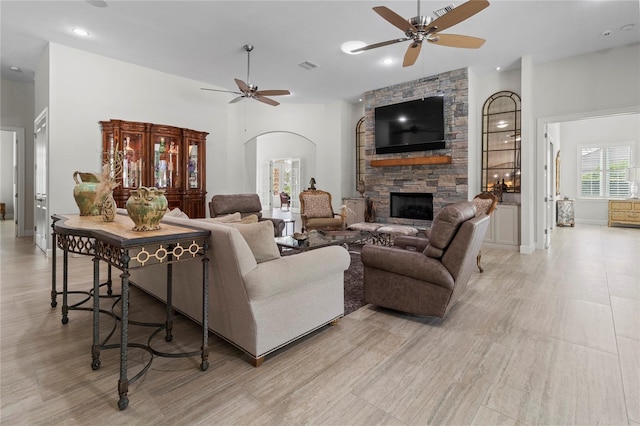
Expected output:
(146, 207)
(85, 193)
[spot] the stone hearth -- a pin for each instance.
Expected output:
(447, 182)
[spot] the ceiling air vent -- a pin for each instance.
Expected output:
(444, 10)
(308, 65)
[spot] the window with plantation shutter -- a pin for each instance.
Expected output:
(603, 171)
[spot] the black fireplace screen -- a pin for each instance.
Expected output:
(412, 205)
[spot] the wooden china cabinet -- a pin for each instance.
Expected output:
(169, 158)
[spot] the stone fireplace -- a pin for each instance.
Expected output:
(441, 173)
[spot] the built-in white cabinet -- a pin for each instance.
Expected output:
(357, 207)
(504, 227)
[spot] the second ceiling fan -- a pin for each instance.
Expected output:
(420, 28)
(250, 91)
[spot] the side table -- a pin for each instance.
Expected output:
(118, 245)
(566, 212)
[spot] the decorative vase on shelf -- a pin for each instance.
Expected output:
(85, 192)
(146, 207)
(109, 208)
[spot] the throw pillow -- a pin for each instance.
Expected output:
(252, 218)
(233, 217)
(259, 237)
(176, 213)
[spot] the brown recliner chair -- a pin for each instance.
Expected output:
(245, 204)
(427, 283)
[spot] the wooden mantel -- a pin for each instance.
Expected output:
(415, 161)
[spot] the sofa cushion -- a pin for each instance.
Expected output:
(445, 225)
(233, 217)
(317, 205)
(259, 237)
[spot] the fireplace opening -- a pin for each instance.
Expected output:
(412, 205)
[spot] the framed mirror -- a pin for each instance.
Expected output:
(501, 143)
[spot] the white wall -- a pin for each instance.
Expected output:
(17, 110)
(603, 131)
(82, 89)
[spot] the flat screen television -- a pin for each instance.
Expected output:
(410, 126)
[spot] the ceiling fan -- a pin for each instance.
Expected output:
(250, 91)
(420, 28)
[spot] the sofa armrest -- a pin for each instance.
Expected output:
(408, 242)
(406, 263)
(290, 272)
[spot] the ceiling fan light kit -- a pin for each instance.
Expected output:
(250, 91)
(420, 28)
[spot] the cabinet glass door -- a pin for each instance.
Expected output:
(193, 166)
(132, 156)
(166, 162)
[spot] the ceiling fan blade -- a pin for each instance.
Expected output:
(223, 91)
(383, 43)
(455, 40)
(238, 99)
(395, 19)
(242, 85)
(266, 100)
(272, 92)
(412, 54)
(457, 15)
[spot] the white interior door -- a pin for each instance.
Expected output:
(41, 206)
(549, 198)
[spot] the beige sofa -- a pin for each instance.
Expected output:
(258, 307)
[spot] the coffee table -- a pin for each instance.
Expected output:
(318, 239)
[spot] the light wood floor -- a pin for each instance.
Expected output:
(550, 338)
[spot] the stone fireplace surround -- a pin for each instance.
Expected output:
(447, 182)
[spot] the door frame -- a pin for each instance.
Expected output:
(18, 178)
(44, 115)
(541, 147)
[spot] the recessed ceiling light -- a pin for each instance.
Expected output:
(80, 32)
(606, 33)
(387, 61)
(16, 69)
(348, 46)
(627, 27)
(497, 68)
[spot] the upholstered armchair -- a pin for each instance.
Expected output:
(486, 203)
(427, 283)
(316, 211)
(245, 204)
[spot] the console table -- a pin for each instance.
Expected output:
(119, 246)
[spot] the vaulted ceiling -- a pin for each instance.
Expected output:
(203, 40)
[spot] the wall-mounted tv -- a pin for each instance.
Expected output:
(410, 126)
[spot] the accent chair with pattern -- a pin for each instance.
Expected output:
(316, 212)
(486, 203)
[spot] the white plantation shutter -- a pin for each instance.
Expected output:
(603, 171)
(618, 159)
(591, 172)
